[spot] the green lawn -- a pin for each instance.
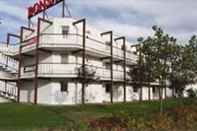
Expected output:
(22, 117)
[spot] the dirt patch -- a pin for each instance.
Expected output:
(108, 123)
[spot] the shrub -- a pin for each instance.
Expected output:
(192, 93)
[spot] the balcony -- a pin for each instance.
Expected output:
(10, 50)
(8, 64)
(8, 90)
(71, 70)
(73, 42)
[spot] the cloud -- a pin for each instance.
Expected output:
(12, 10)
(132, 18)
(177, 17)
(130, 31)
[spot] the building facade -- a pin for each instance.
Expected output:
(63, 61)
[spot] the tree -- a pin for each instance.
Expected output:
(138, 72)
(154, 55)
(183, 65)
(162, 60)
(192, 93)
(156, 50)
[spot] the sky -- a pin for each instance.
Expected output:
(131, 18)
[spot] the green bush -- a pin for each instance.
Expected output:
(192, 93)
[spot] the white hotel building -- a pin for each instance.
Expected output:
(64, 62)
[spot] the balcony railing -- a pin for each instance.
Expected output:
(8, 64)
(9, 49)
(75, 41)
(8, 90)
(71, 70)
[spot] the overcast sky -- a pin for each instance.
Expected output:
(132, 18)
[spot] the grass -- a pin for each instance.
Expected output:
(22, 116)
(16, 116)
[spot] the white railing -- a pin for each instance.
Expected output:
(130, 57)
(8, 64)
(9, 49)
(8, 90)
(75, 41)
(59, 69)
(71, 70)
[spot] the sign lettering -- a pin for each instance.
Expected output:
(41, 6)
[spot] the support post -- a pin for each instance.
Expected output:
(84, 53)
(165, 91)
(63, 8)
(8, 42)
(149, 80)
(124, 65)
(110, 33)
(6, 93)
(38, 57)
(83, 21)
(36, 63)
(149, 98)
(174, 92)
(19, 66)
(160, 95)
(29, 22)
(139, 75)
(44, 14)
(9, 35)
(20, 60)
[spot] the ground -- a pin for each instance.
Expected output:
(21, 117)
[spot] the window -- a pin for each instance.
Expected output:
(135, 89)
(108, 88)
(154, 90)
(64, 87)
(65, 30)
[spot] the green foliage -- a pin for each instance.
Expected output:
(192, 93)
(22, 117)
(175, 118)
(27, 116)
(162, 58)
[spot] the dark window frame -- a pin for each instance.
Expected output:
(154, 90)
(64, 87)
(135, 89)
(108, 88)
(65, 30)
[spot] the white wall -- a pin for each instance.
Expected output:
(49, 91)
(44, 92)
(95, 93)
(44, 89)
(192, 86)
(169, 92)
(73, 96)
(3, 100)
(118, 93)
(27, 92)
